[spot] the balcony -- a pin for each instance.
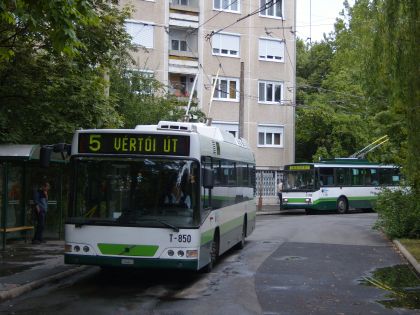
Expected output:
(181, 85)
(184, 13)
(184, 6)
(183, 50)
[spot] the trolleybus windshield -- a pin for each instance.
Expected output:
(299, 180)
(135, 192)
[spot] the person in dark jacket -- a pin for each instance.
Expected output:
(41, 208)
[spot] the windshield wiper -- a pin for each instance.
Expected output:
(80, 223)
(176, 229)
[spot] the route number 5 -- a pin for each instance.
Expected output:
(94, 143)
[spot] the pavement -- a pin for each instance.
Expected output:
(25, 266)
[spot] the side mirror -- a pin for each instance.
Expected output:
(208, 178)
(45, 156)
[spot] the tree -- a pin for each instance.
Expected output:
(51, 25)
(395, 65)
(44, 94)
(141, 99)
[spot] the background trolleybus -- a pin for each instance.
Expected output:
(172, 195)
(336, 184)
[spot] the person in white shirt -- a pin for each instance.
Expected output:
(279, 192)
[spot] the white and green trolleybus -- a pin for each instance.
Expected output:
(172, 195)
(336, 184)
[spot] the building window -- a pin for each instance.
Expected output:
(227, 89)
(141, 33)
(271, 50)
(226, 45)
(272, 10)
(226, 5)
(180, 45)
(270, 136)
(180, 2)
(269, 92)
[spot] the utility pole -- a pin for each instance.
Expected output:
(241, 102)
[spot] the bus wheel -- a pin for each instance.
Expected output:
(241, 244)
(214, 253)
(342, 205)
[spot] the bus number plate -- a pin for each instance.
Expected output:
(127, 261)
(180, 238)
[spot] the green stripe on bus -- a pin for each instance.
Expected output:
(363, 198)
(226, 227)
(330, 199)
(128, 250)
(207, 236)
(295, 200)
(321, 200)
(230, 225)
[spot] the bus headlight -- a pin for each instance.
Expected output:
(192, 253)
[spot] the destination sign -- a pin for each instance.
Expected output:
(143, 144)
(298, 167)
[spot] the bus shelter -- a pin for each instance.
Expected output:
(20, 176)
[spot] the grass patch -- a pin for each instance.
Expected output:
(413, 246)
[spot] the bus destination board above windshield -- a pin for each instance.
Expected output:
(121, 143)
(298, 167)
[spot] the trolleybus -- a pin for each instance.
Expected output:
(172, 195)
(336, 184)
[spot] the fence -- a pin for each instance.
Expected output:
(266, 184)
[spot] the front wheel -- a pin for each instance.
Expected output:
(342, 205)
(241, 243)
(214, 253)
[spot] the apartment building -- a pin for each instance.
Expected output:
(197, 46)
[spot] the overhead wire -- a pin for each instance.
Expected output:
(266, 6)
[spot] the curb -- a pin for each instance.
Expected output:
(407, 255)
(15, 292)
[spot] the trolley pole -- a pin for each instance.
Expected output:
(241, 102)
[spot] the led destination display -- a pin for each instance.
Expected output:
(144, 144)
(298, 167)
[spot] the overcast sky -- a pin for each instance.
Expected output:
(323, 13)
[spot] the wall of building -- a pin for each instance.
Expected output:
(251, 29)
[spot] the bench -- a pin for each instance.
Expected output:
(17, 229)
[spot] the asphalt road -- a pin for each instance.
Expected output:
(291, 264)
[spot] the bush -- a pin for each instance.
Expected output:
(399, 213)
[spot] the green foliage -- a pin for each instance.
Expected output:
(44, 94)
(324, 133)
(361, 74)
(399, 213)
(48, 24)
(396, 52)
(143, 100)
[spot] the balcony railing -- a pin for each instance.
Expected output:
(185, 5)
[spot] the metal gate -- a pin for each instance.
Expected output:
(266, 182)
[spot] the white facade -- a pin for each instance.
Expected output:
(210, 38)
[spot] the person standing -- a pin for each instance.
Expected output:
(279, 193)
(41, 207)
